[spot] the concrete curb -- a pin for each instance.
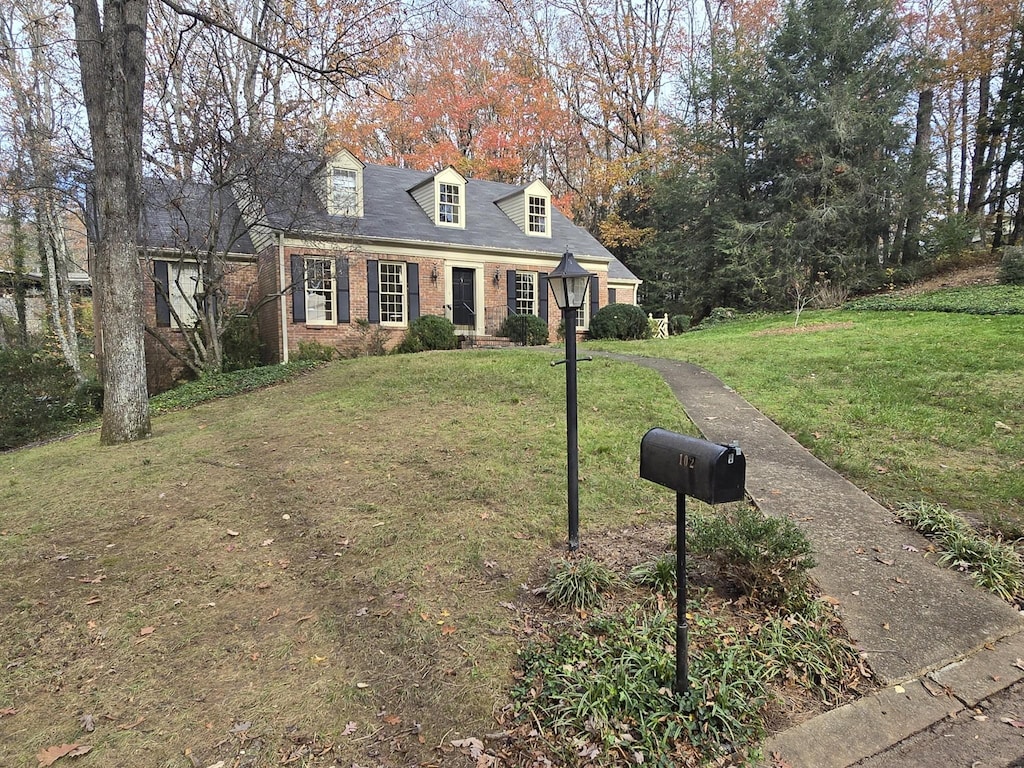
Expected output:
(869, 726)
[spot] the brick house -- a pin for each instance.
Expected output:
(317, 245)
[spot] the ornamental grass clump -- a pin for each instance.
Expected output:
(993, 564)
(578, 582)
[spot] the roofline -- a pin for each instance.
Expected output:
(429, 245)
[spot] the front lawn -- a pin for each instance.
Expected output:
(326, 572)
(908, 405)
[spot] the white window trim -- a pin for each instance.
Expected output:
(585, 312)
(309, 292)
(460, 207)
(546, 231)
(404, 322)
(334, 206)
(183, 306)
(532, 276)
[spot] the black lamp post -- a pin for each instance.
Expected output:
(569, 282)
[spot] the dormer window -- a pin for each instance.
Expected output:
(449, 210)
(530, 208)
(344, 195)
(537, 217)
(443, 198)
(340, 185)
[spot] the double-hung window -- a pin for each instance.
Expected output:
(320, 291)
(449, 204)
(184, 289)
(537, 215)
(526, 293)
(344, 198)
(392, 292)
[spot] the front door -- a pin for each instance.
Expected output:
(464, 298)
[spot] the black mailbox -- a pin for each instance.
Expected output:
(707, 471)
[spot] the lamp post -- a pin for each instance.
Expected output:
(569, 282)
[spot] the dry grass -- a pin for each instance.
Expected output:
(267, 570)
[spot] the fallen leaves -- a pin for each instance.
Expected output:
(50, 755)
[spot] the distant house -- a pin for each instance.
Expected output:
(316, 246)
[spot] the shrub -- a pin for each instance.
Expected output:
(766, 557)
(372, 339)
(38, 396)
(314, 352)
(678, 324)
(620, 321)
(718, 316)
(1011, 266)
(578, 582)
(429, 332)
(528, 330)
(241, 343)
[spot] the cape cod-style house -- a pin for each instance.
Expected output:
(322, 247)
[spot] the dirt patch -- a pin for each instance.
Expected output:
(813, 327)
(982, 274)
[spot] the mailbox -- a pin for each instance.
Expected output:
(688, 465)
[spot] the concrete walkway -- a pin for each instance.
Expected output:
(938, 644)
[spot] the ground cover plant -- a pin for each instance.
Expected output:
(975, 300)
(318, 572)
(599, 691)
(994, 565)
(907, 405)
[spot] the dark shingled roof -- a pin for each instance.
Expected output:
(188, 217)
(182, 215)
(390, 213)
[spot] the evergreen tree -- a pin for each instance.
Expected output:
(831, 163)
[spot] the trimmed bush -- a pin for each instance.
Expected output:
(38, 396)
(1011, 266)
(429, 332)
(620, 321)
(528, 330)
(678, 324)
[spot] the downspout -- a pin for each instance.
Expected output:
(284, 301)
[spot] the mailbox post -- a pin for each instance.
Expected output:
(708, 471)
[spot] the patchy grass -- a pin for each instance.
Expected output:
(321, 568)
(907, 405)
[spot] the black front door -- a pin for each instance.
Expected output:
(463, 297)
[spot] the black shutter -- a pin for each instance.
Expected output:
(412, 276)
(510, 290)
(163, 310)
(611, 296)
(595, 300)
(542, 295)
(341, 281)
(372, 291)
(298, 290)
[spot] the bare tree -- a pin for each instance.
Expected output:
(111, 41)
(28, 71)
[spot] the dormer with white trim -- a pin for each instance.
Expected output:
(340, 185)
(530, 209)
(443, 198)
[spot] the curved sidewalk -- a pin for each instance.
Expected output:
(938, 643)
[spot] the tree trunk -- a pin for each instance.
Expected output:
(112, 51)
(981, 171)
(917, 183)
